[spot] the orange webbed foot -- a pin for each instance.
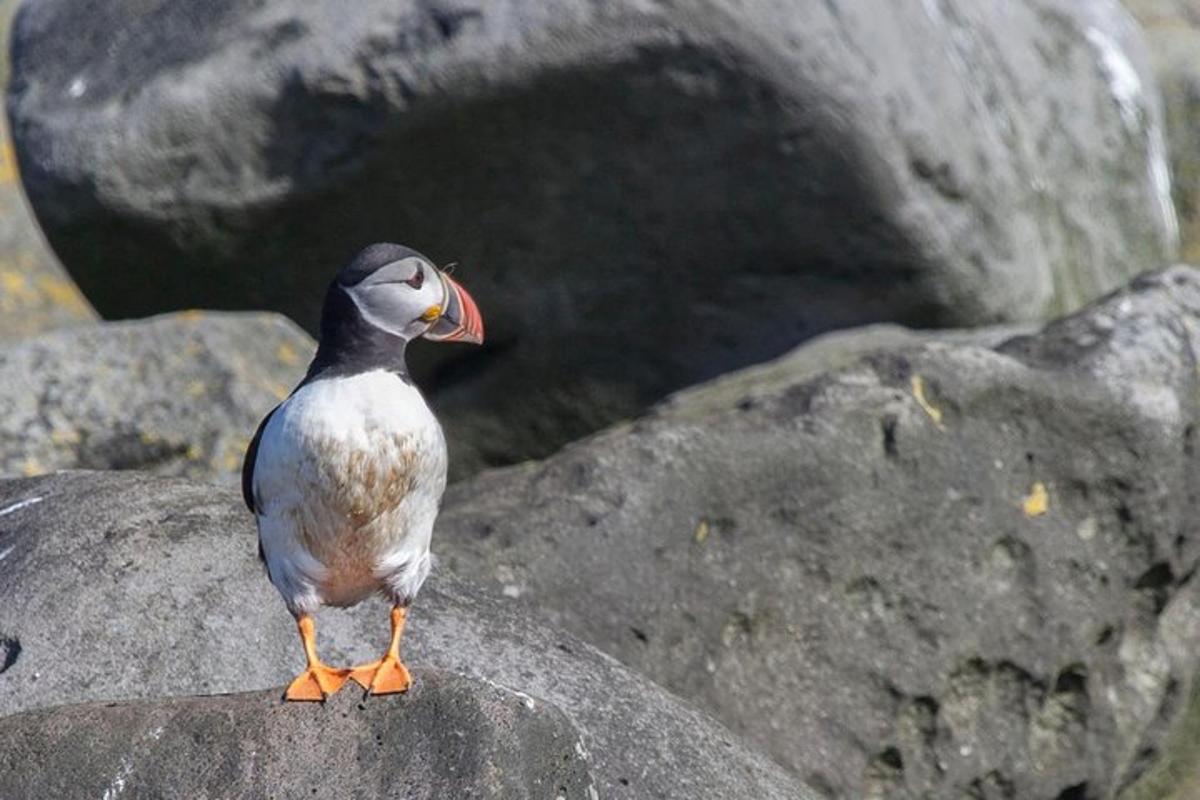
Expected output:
(388, 675)
(316, 683)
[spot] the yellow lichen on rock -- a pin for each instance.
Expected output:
(65, 436)
(34, 296)
(8, 163)
(235, 450)
(918, 390)
(287, 354)
(15, 284)
(64, 293)
(1037, 502)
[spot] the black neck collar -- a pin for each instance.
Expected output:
(350, 345)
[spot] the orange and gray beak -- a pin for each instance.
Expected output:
(459, 320)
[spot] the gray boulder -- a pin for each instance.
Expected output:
(641, 195)
(179, 394)
(943, 571)
(825, 353)
(449, 737)
(1173, 35)
(122, 585)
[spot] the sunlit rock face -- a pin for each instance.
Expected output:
(640, 195)
(178, 606)
(944, 569)
(178, 394)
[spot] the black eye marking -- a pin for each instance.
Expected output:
(418, 278)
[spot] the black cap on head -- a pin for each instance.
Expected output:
(371, 258)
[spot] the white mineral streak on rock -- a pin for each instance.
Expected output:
(117, 786)
(19, 505)
(1127, 90)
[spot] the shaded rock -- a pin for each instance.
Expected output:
(641, 195)
(36, 294)
(448, 737)
(942, 571)
(121, 585)
(1173, 34)
(1175, 772)
(179, 394)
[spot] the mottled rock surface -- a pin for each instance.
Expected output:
(641, 195)
(179, 394)
(448, 737)
(946, 570)
(124, 585)
(1175, 771)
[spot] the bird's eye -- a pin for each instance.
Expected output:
(417, 279)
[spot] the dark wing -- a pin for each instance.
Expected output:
(248, 464)
(248, 473)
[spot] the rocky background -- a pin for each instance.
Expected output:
(835, 436)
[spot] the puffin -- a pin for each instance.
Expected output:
(345, 476)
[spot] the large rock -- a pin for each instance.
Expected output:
(36, 294)
(119, 585)
(450, 737)
(945, 571)
(641, 195)
(1173, 34)
(1175, 774)
(180, 394)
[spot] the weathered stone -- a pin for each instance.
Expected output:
(822, 354)
(1173, 35)
(36, 294)
(1175, 772)
(942, 571)
(179, 394)
(122, 585)
(641, 195)
(448, 737)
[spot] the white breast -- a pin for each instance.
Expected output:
(348, 478)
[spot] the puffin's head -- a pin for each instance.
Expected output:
(401, 292)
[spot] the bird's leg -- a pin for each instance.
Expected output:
(318, 681)
(387, 675)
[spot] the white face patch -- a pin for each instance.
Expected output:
(396, 296)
